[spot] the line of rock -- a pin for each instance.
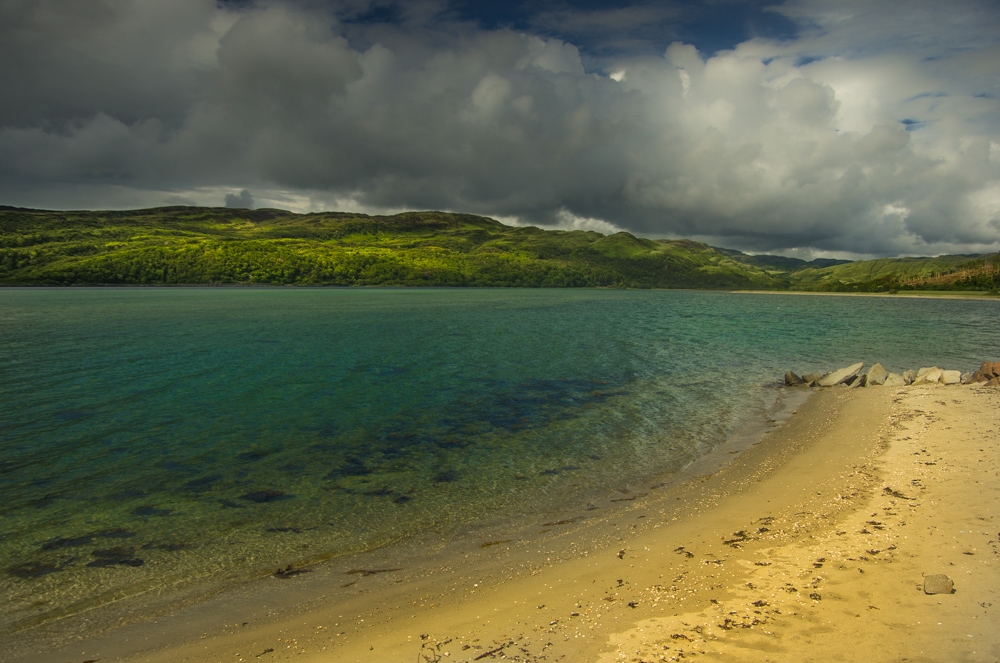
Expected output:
(853, 376)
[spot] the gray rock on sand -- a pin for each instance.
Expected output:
(928, 376)
(876, 375)
(841, 375)
(938, 584)
(793, 380)
(951, 377)
(895, 380)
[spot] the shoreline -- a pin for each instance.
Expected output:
(913, 294)
(727, 564)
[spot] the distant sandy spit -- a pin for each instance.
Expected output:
(811, 545)
(911, 295)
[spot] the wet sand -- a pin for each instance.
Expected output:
(811, 545)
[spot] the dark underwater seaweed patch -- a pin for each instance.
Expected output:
(127, 494)
(265, 496)
(168, 547)
(71, 415)
(175, 466)
(254, 455)
(202, 483)
(354, 467)
(72, 542)
(34, 569)
(446, 477)
(402, 499)
(293, 530)
(150, 510)
(380, 492)
(115, 556)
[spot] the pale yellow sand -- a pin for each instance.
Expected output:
(810, 546)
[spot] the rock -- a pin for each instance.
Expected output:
(930, 376)
(895, 380)
(925, 370)
(951, 377)
(876, 375)
(994, 382)
(990, 369)
(811, 379)
(857, 381)
(967, 377)
(938, 584)
(842, 375)
(793, 380)
(909, 376)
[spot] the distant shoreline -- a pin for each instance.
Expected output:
(914, 294)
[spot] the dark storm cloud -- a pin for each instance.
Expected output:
(828, 142)
(241, 200)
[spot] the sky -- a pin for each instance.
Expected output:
(807, 128)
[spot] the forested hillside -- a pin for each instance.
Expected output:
(184, 245)
(203, 246)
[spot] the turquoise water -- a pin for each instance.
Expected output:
(155, 439)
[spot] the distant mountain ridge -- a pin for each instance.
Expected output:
(203, 246)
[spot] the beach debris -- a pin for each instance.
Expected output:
(364, 573)
(494, 543)
(568, 521)
(938, 584)
(289, 572)
(266, 651)
(738, 537)
(892, 492)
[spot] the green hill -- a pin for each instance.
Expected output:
(196, 245)
(185, 245)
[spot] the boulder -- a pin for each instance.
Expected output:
(931, 376)
(990, 369)
(811, 379)
(909, 376)
(841, 375)
(925, 370)
(876, 375)
(793, 380)
(895, 380)
(951, 377)
(938, 584)
(994, 382)
(967, 377)
(857, 381)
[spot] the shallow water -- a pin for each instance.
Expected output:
(156, 440)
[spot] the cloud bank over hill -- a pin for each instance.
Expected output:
(872, 130)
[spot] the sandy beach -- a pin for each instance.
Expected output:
(810, 545)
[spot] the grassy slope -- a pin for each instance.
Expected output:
(210, 245)
(190, 245)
